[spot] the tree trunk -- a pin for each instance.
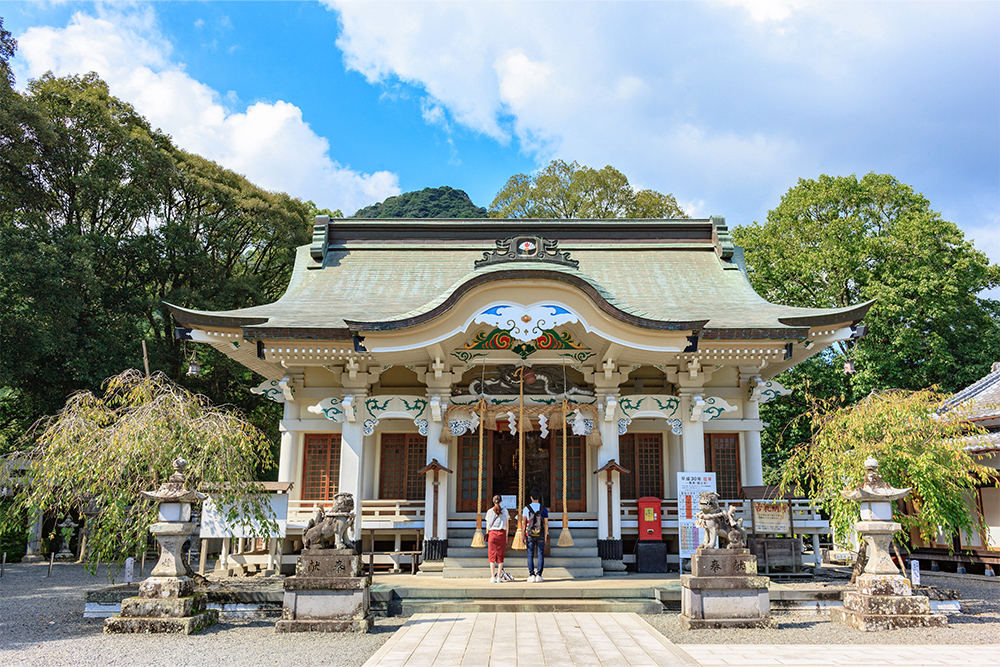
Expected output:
(859, 564)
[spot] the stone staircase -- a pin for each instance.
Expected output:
(450, 596)
(578, 561)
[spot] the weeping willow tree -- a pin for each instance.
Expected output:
(916, 447)
(101, 452)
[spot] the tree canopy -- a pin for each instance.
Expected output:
(837, 241)
(569, 190)
(915, 446)
(102, 451)
(443, 202)
(840, 240)
(102, 219)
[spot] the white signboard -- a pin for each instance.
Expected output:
(129, 569)
(510, 503)
(771, 516)
(214, 524)
(690, 485)
(915, 572)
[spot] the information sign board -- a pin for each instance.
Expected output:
(771, 516)
(690, 485)
(215, 524)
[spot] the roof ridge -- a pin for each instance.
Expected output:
(975, 388)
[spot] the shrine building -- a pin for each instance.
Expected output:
(410, 354)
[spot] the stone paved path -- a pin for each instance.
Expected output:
(586, 639)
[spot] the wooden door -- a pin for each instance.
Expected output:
(642, 455)
(468, 465)
(722, 456)
(576, 462)
(401, 458)
(321, 466)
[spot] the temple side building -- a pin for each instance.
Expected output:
(399, 343)
(980, 404)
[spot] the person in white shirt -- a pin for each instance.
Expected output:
(496, 529)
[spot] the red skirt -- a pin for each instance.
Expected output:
(497, 542)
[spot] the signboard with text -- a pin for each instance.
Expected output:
(215, 523)
(690, 485)
(771, 516)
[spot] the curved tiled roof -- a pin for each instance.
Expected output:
(671, 275)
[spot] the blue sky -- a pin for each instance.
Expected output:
(725, 104)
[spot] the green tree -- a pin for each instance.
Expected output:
(443, 202)
(563, 190)
(106, 450)
(916, 447)
(101, 220)
(838, 241)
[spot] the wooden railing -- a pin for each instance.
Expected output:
(805, 515)
(375, 514)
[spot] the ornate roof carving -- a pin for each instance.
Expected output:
(526, 248)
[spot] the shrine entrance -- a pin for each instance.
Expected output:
(543, 469)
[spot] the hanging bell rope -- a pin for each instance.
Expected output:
(565, 538)
(478, 541)
(519, 543)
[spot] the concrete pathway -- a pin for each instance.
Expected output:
(586, 639)
(529, 640)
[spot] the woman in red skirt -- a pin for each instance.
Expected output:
(496, 529)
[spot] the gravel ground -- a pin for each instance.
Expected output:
(978, 624)
(41, 623)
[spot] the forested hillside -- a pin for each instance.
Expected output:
(443, 202)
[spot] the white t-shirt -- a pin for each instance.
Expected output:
(496, 521)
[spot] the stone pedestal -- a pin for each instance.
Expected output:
(166, 601)
(164, 604)
(327, 594)
(886, 602)
(883, 599)
(724, 591)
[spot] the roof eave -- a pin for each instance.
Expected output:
(199, 318)
(852, 314)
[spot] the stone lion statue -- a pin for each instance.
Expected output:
(329, 528)
(717, 523)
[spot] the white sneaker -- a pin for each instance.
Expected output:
(531, 578)
(493, 580)
(538, 578)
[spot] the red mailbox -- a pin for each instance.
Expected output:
(650, 527)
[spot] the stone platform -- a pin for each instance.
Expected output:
(326, 594)
(164, 604)
(886, 602)
(724, 591)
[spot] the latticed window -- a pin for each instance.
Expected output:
(642, 455)
(402, 456)
(722, 456)
(322, 466)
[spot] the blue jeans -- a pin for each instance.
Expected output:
(536, 544)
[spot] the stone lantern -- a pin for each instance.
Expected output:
(884, 599)
(167, 601)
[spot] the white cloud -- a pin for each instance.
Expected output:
(722, 103)
(270, 142)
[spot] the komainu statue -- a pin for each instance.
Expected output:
(329, 529)
(717, 523)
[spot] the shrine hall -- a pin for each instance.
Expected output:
(426, 365)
